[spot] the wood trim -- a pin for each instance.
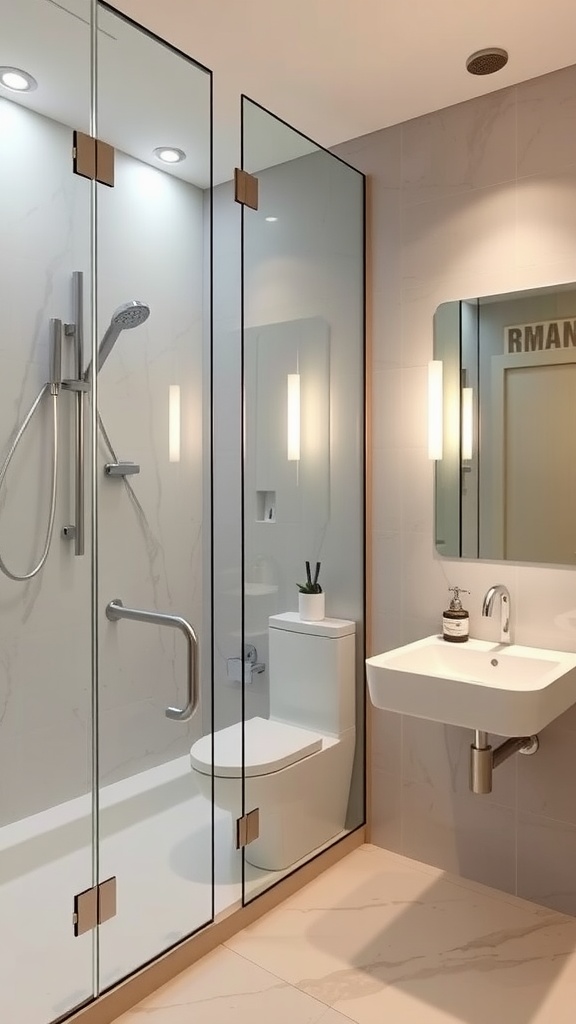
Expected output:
(369, 497)
(123, 997)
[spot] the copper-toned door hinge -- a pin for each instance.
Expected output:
(245, 188)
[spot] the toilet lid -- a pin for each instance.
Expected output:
(269, 746)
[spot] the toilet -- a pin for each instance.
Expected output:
(298, 762)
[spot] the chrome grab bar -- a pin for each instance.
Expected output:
(115, 610)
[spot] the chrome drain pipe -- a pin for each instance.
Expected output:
(484, 758)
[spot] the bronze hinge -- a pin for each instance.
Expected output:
(94, 906)
(245, 188)
(92, 158)
(248, 828)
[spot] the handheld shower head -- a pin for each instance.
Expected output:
(130, 314)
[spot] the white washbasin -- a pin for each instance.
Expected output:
(500, 688)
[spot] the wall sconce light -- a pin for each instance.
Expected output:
(435, 409)
(467, 424)
(293, 390)
(174, 423)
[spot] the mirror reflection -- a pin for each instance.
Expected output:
(505, 423)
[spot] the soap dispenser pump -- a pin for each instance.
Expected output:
(456, 620)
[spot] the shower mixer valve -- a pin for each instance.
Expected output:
(252, 666)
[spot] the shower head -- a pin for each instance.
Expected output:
(130, 314)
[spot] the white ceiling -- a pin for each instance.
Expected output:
(337, 69)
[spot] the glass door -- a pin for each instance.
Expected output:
(303, 372)
(46, 853)
(152, 377)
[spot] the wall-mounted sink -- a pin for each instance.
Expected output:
(498, 688)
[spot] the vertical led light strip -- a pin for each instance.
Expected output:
(174, 423)
(293, 417)
(467, 423)
(435, 409)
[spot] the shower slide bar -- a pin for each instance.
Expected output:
(115, 610)
(80, 387)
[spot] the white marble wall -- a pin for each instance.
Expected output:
(44, 624)
(475, 199)
(151, 247)
(151, 559)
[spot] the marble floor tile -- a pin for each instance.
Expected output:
(224, 988)
(333, 1017)
(379, 937)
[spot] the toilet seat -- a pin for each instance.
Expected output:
(269, 747)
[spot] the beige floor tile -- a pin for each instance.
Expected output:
(224, 988)
(379, 937)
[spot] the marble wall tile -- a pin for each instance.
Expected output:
(386, 566)
(546, 858)
(546, 607)
(386, 739)
(387, 477)
(546, 111)
(547, 779)
(416, 324)
(387, 630)
(463, 147)
(460, 833)
(386, 810)
(387, 417)
(424, 580)
(417, 472)
(546, 218)
(385, 329)
(438, 756)
(473, 223)
(461, 242)
(414, 420)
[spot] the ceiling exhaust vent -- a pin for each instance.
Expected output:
(487, 62)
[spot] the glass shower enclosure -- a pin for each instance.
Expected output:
(165, 475)
(106, 848)
(303, 496)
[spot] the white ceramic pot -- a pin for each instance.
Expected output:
(311, 607)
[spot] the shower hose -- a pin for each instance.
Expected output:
(21, 577)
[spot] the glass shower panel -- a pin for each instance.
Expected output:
(45, 587)
(303, 360)
(153, 493)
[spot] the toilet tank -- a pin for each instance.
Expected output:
(312, 672)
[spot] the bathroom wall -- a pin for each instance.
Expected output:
(148, 557)
(475, 199)
(151, 247)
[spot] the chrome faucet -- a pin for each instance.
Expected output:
(488, 604)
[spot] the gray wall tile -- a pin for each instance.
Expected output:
(473, 200)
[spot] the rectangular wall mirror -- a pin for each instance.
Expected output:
(503, 426)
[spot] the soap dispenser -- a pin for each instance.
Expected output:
(456, 620)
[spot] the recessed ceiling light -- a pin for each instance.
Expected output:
(17, 80)
(271, 219)
(486, 62)
(169, 155)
